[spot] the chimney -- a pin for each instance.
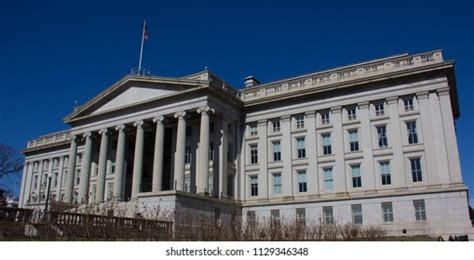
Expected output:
(251, 81)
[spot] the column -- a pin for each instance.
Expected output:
(439, 139)
(49, 180)
(368, 175)
(203, 164)
(85, 170)
(337, 138)
(119, 163)
(240, 179)
(311, 148)
(158, 154)
(24, 176)
(60, 178)
(263, 159)
(138, 160)
(71, 170)
(395, 141)
(40, 179)
(285, 144)
(431, 171)
(29, 183)
(450, 135)
(223, 147)
(178, 183)
(102, 168)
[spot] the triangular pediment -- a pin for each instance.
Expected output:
(131, 91)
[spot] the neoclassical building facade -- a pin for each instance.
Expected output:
(371, 143)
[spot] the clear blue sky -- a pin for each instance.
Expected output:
(53, 53)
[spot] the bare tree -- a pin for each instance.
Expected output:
(11, 161)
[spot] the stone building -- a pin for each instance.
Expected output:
(370, 143)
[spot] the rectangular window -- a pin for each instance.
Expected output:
(277, 183)
(56, 175)
(187, 155)
(253, 154)
(187, 183)
(420, 210)
(408, 104)
(351, 113)
(385, 173)
(35, 182)
(328, 217)
(326, 144)
(301, 217)
(354, 140)
(211, 151)
(302, 184)
(411, 130)
(356, 177)
(300, 145)
(253, 186)
(251, 219)
(356, 213)
(63, 181)
(276, 151)
(110, 190)
(387, 211)
(275, 217)
(325, 118)
(379, 109)
(416, 173)
(78, 176)
(299, 122)
(189, 131)
(253, 130)
(382, 136)
(276, 126)
(328, 180)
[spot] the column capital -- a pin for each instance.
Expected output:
(180, 115)
(104, 131)
(73, 138)
(138, 123)
(120, 128)
(392, 100)
(87, 135)
(158, 119)
(205, 109)
(443, 91)
(422, 95)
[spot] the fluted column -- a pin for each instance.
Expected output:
(337, 137)
(104, 145)
(179, 154)
(158, 155)
(85, 170)
(24, 176)
(203, 164)
(71, 170)
(40, 180)
(60, 178)
(223, 147)
(119, 163)
(368, 175)
(138, 160)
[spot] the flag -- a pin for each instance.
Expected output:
(145, 32)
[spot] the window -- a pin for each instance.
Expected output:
(411, 130)
(253, 154)
(276, 126)
(55, 185)
(356, 178)
(187, 183)
(210, 184)
(63, 181)
(230, 185)
(302, 184)
(189, 131)
(275, 217)
(408, 104)
(351, 113)
(354, 140)
(325, 118)
(326, 144)
(78, 176)
(113, 168)
(416, 173)
(251, 219)
(385, 173)
(301, 217)
(387, 212)
(277, 183)
(211, 151)
(35, 182)
(187, 154)
(356, 213)
(230, 148)
(379, 109)
(382, 136)
(276, 151)
(253, 186)
(110, 190)
(328, 217)
(300, 145)
(328, 180)
(253, 130)
(299, 122)
(420, 210)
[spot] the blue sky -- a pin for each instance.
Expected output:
(53, 53)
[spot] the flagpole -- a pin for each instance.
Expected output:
(141, 49)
